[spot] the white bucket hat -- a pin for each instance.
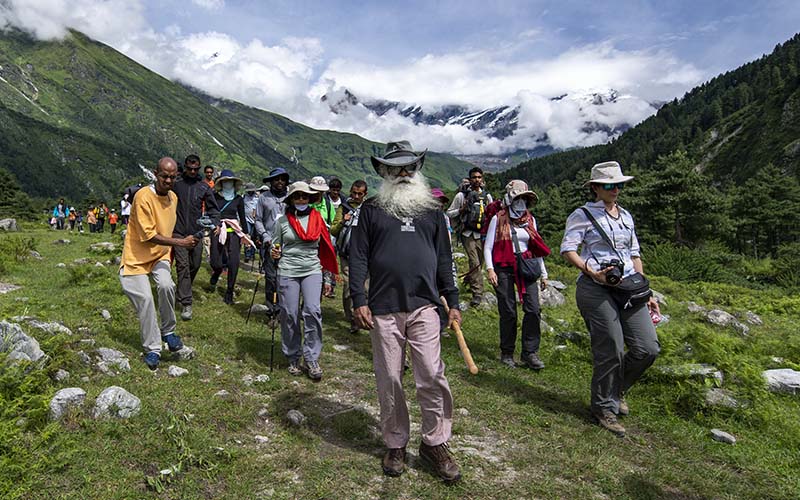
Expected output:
(608, 172)
(318, 184)
(299, 186)
(517, 188)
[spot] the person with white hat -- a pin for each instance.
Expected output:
(511, 230)
(401, 242)
(302, 246)
(609, 261)
(226, 244)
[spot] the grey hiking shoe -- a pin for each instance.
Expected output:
(441, 460)
(186, 313)
(294, 368)
(508, 360)
(532, 361)
(623, 409)
(394, 461)
(314, 370)
(608, 421)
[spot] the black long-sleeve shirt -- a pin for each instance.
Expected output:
(409, 261)
(233, 210)
(192, 193)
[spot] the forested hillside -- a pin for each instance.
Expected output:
(719, 165)
(77, 119)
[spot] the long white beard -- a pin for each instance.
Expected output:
(405, 196)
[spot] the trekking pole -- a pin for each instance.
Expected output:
(274, 320)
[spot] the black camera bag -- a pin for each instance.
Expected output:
(632, 290)
(529, 269)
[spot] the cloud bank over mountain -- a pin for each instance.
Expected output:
(290, 75)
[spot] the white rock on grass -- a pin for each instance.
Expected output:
(116, 402)
(63, 400)
(722, 318)
(459, 255)
(660, 298)
(103, 246)
(689, 370)
(61, 265)
(222, 394)
(176, 371)
(695, 308)
(9, 224)
(259, 309)
(98, 264)
(85, 359)
(295, 418)
(261, 439)
(61, 375)
(463, 412)
(8, 287)
(35, 255)
(105, 314)
(558, 285)
(81, 261)
(782, 380)
(550, 297)
(62, 242)
(721, 397)
(722, 436)
(108, 359)
(261, 378)
(340, 347)
(753, 318)
(184, 354)
(51, 327)
(19, 345)
(543, 326)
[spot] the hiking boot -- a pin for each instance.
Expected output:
(532, 361)
(228, 299)
(439, 457)
(294, 368)
(214, 279)
(607, 420)
(354, 329)
(151, 359)
(173, 342)
(314, 370)
(186, 313)
(623, 409)
(508, 360)
(394, 462)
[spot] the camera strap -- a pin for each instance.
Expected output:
(602, 234)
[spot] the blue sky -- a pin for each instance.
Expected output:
(284, 55)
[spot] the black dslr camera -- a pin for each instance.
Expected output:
(614, 275)
(206, 225)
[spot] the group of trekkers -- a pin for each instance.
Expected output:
(65, 217)
(392, 255)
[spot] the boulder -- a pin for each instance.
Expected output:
(177, 371)
(695, 308)
(782, 380)
(550, 297)
(753, 318)
(9, 224)
(8, 287)
(116, 402)
(721, 397)
(63, 400)
(85, 359)
(82, 261)
(103, 247)
(35, 255)
(105, 314)
(109, 359)
(261, 439)
(19, 345)
(61, 375)
(295, 418)
(722, 436)
(51, 327)
(721, 318)
(259, 309)
(62, 242)
(184, 354)
(692, 370)
(558, 285)
(660, 298)
(61, 265)
(261, 378)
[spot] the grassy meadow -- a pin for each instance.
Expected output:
(517, 434)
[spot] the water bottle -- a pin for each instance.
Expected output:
(654, 316)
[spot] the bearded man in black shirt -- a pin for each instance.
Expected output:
(402, 243)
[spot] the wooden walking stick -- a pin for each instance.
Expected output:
(462, 344)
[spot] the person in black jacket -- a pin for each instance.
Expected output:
(402, 242)
(227, 242)
(194, 196)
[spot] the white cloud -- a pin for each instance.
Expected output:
(210, 4)
(289, 77)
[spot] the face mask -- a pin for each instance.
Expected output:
(301, 207)
(227, 190)
(517, 208)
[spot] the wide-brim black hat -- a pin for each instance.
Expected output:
(398, 154)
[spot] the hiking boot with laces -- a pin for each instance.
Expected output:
(532, 361)
(439, 457)
(173, 342)
(508, 360)
(623, 409)
(608, 421)
(314, 370)
(186, 313)
(394, 461)
(294, 368)
(151, 359)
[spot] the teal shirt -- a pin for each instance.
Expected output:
(298, 258)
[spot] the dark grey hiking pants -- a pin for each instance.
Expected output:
(187, 263)
(615, 371)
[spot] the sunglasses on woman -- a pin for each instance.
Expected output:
(610, 187)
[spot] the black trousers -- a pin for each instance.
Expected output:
(187, 263)
(507, 307)
(270, 269)
(231, 250)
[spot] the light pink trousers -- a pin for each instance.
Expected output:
(420, 329)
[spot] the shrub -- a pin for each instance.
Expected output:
(682, 263)
(785, 266)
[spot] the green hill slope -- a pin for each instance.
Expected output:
(77, 119)
(731, 127)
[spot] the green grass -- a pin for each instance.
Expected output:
(517, 434)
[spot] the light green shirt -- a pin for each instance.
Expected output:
(298, 258)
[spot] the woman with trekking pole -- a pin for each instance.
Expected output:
(302, 246)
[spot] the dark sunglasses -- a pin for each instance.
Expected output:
(394, 171)
(195, 169)
(300, 195)
(610, 187)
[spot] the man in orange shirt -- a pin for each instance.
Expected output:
(146, 252)
(112, 220)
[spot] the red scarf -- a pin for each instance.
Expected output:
(317, 230)
(503, 249)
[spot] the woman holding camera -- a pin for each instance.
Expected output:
(302, 246)
(615, 318)
(511, 238)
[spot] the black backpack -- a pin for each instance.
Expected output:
(343, 240)
(474, 218)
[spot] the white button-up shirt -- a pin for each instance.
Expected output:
(580, 232)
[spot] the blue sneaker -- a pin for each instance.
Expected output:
(151, 359)
(173, 341)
